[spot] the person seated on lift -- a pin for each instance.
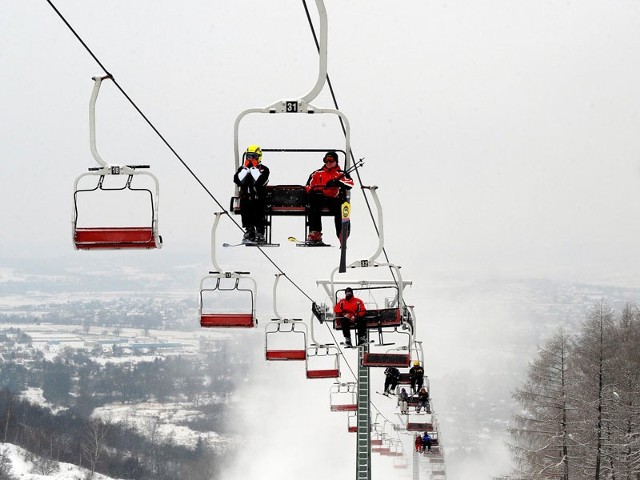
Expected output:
(326, 187)
(416, 375)
(423, 401)
(252, 178)
(392, 376)
(352, 310)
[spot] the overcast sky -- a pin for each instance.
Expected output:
(503, 135)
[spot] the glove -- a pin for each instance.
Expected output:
(333, 183)
(255, 173)
(247, 163)
(243, 173)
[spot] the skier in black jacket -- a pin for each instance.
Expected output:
(392, 375)
(252, 178)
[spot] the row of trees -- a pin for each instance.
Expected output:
(74, 379)
(580, 403)
(112, 449)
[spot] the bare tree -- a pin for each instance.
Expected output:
(95, 438)
(593, 362)
(624, 421)
(5, 465)
(541, 439)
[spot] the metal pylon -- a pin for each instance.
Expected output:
(363, 446)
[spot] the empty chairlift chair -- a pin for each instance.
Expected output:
(227, 283)
(343, 397)
(419, 422)
(285, 339)
(323, 361)
(114, 206)
(236, 291)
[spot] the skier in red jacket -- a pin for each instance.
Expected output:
(351, 310)
(326, 187)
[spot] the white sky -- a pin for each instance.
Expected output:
(502, 134)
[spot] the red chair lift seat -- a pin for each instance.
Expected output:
(286, 354)
(115, 238)
(227, 320)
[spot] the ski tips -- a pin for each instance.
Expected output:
(226, 245)
(293, 239)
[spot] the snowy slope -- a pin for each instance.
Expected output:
(23, 469)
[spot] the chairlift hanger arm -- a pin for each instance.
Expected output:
(291, 106)
(92, 119)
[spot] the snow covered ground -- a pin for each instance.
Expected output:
(20, 467)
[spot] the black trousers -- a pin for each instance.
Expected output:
(416, 383)
(318, 201)
(390, 383)
(361, 327)
(252, 208)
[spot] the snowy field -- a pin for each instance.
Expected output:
(22, 468)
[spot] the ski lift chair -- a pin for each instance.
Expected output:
(387, 450)
(227, 282)
(285, 200)
(400, 462)
(285, 339)
(419, 422)
(343, 397)
(379, 356)
(117, 237)
(384, 449)
(323, 361)
(387, 321)
(352, 422)
(232, 285)
(127, 234)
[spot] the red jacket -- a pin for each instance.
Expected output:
(350, 308)
(318, 181)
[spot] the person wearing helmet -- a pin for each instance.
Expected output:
(416, 375)
(351, 310)
(252, 178)
(326, 188)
